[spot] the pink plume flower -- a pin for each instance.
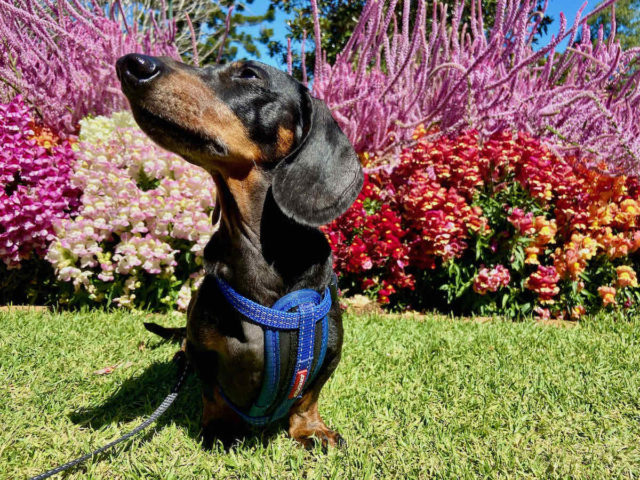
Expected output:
(62, 58)
(455, 77)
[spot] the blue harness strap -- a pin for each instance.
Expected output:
(297, 312)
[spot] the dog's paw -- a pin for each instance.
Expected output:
(325, 437)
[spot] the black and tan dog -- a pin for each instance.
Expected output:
(282, 167)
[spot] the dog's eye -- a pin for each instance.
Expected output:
(248, 73)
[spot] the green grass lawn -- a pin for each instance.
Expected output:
(414, 398)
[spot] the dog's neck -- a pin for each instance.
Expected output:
(257, 249)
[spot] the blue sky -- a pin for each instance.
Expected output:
(568, 7)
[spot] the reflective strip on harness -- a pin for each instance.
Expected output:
(276, 321)
(270, 317)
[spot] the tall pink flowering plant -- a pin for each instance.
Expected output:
(60, 57)
(450, 77)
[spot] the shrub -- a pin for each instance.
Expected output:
(61, 57)
(500, 226)
(143, 222)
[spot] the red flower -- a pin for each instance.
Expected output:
(523, 222)
(491, 280)
(421, 214)
(544, 283)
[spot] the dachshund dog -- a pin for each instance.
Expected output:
(282, 167)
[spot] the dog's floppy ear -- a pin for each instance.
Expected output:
(322, 177)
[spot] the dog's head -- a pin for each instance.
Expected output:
(247, 115)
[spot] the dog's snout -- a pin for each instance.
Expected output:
(136, 69)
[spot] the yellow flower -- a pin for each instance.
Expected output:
(577, 312)
(545, 230)
(629, 206)
(532, 255)
(626, 277)
(608, 295)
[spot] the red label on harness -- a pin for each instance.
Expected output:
(298, 383)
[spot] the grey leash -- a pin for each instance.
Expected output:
(166, 403)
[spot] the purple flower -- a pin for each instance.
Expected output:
(62, 59)
(455, 77)
(35, 187)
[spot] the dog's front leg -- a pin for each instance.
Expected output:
(219, 421)
(305, 422)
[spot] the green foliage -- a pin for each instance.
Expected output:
(145, 182)
(34, 283)
(627, 23)
(240, 19)
(337, 20)
(503, 246)
(209, 23)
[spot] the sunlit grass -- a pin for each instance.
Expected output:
(414, 398)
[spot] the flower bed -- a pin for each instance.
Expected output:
(500, 226)
(34, 174)
(464, 215)
(35, 191)
(144, 220)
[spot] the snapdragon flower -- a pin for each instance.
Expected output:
(144, 217)
(35, 186)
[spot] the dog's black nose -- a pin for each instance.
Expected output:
(136, 68)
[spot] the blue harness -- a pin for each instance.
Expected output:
(296, 314)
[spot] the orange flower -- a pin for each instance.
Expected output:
(588, 246)
(577, 312)
(419, 132)
(571, 262)
(626, 277)
(44, 136)
(574, 264)
(532, 255)
(608, 295)
(635, 241)
(366, 159)
(615, 246)
(545, 230)
(628, 212)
